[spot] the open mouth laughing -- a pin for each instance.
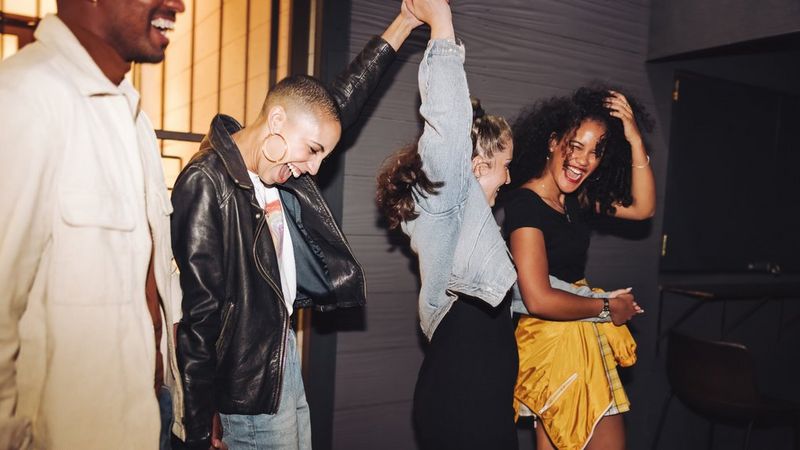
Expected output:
(285, 171)
(574, 174)
(163, 25)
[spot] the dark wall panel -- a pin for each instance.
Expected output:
(773, 344)
(386, 425)
(682, 26)
(386, 267)
(391, 319)
(381, 376)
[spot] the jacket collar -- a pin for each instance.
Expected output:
(81, 69)
(221, 141)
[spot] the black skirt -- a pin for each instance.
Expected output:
(465, 389)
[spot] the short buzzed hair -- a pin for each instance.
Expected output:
(305, 92)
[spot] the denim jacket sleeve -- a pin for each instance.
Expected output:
(445, 145)
(517, 305)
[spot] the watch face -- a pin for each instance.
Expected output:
(605, 312)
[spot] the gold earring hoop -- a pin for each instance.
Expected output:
(285, 148)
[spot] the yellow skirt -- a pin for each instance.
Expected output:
(568, 376)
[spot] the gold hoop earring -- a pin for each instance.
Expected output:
(285, 148)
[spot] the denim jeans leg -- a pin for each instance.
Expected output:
(301, 404)
(289, 429)
(165, 409)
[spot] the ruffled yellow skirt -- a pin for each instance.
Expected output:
(568, 376)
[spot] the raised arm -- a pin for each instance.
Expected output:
(643, 184)
(401, 27)
(355, 84)
(445, 145)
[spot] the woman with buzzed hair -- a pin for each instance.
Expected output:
(255, 241)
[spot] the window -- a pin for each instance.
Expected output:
(223, 57)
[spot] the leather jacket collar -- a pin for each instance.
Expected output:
(221, 140)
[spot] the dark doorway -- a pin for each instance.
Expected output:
(731, 197)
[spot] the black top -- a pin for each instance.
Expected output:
(566, 236)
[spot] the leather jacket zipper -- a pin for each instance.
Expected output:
(282, 311)
(227, 313)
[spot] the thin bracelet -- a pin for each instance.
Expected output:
(643, 165)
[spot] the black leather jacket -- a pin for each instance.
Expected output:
(232, 337)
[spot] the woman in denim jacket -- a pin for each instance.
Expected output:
(440, 193)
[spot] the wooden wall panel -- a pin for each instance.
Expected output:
(258, 57)
(8, 46)
(205, 82)
(21, 7)
(47, 7)
(233, 58)
(177, 94)
(150, 88)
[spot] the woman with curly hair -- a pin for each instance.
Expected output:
(578, 157)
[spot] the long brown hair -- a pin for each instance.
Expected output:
(402, 171)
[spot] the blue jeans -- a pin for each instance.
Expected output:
(165, 408)
(288, 429)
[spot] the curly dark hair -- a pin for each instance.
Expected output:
(402, 171)
(560, 117)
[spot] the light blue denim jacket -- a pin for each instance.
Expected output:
(455, 236)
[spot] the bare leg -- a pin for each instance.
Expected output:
(542, 441)
(608, 435)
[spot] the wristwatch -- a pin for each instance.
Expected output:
(606, 312)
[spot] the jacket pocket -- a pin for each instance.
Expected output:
(222, 341)
(91, 250)
(96, 209)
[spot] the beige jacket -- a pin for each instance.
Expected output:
(81, 188)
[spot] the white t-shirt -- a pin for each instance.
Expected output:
(269, 200)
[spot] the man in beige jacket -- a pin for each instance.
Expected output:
(87, 291)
